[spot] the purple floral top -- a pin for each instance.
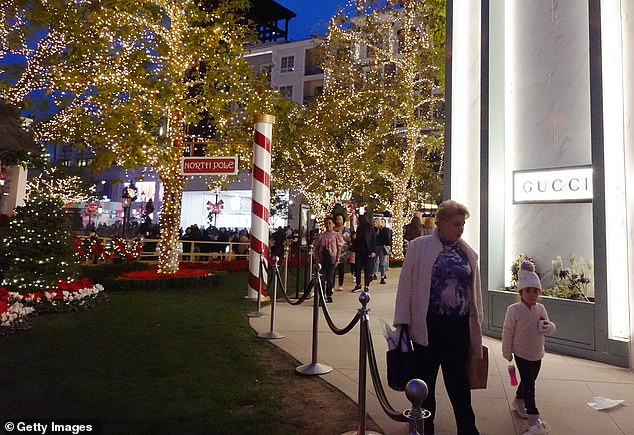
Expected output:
(450, 277)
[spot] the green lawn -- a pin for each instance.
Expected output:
(170, 361)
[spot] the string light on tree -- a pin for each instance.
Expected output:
(376, 129)
(119, 76)
(39, 244)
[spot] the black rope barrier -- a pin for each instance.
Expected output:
(271, 333)
(299, 301)
(376, 380)
(416, 390)
(330, 322)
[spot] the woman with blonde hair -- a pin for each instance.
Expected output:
(439, 299)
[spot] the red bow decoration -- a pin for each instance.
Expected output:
(215, 208)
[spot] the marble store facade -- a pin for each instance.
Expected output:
(539, 141)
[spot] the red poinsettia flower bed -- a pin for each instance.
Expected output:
(152, 273)
(57, 293)
(66, 296)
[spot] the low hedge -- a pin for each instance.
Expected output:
(184, 282)
(102, 272)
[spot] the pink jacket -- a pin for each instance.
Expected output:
(412, 297)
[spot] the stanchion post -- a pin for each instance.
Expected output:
(364, 298)
(311, 257)
(317, 273)
(287, 252)
(315, 368)
(259, 312)
(271, 333)
(416, 392)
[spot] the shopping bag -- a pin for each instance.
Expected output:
(400, 362)
(478, 370)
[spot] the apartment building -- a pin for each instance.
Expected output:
(293, 67)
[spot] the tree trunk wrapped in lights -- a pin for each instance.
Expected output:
(170, 218)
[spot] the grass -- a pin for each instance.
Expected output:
(168, 361)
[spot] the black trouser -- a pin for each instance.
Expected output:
(327, 278)
(526, 389)
(448, 349)
(363, 261)
(340, 272)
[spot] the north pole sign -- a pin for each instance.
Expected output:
(209, 166)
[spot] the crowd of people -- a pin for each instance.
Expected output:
(215, 240)
(366, 249)
(210, 239)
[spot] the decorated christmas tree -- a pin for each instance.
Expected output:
(39, 245)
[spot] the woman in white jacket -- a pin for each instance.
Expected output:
(439, 298)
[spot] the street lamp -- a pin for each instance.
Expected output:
(127, 197)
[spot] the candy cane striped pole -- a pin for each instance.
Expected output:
(260, 202)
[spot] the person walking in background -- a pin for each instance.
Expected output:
(327, 247)
(412, 230)
(351, 254)
(376, 226)
(340, 227)
(428, 226)
(525, 325)
(278, 237)
(365, 250)
(383, 248)
(187, 246)
(440, 300)
(244, 240)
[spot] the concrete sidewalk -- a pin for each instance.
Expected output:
(564, 386)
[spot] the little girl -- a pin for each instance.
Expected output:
(525, 325)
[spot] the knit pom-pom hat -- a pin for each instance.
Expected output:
(526, 276)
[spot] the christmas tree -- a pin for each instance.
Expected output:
(39, 244)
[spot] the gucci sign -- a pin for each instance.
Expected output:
(553, 185)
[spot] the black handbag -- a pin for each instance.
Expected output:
(400, 363)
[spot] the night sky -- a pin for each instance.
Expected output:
(312, 16)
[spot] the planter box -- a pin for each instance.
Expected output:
(575, 320)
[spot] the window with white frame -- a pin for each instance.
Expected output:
(287, 64)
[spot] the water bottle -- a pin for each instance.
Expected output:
(512, 375)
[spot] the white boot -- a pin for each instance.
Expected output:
(520, 407)
(537, 426)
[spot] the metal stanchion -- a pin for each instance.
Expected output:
(364, 298)
(259, 312)
(287, 252)
(311, 258)
(310, 265)
(315, 368)
(271, 333)
(416, 392)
